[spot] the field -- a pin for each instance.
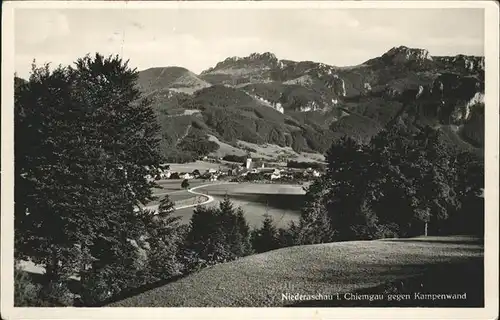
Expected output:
(389, 268)
(202, 166)
(269, 152)
(282, 202)
(173, 189)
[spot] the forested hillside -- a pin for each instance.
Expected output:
(306, 105)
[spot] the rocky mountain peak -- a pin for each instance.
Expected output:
(403, 54)
(262, 60)
(263, 56)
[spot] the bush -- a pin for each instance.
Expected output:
(56, 294)
(26, 292)
(175, 175)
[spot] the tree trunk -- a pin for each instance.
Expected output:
(425, 229)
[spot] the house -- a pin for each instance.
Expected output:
(248, 163)
(276, 174)
(212, 170)
(185, 175)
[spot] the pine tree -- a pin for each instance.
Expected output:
(163, 240)
(217, 234)
(265, 238)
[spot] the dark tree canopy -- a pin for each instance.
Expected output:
(404, 183)
(218, 235)
(84, 138)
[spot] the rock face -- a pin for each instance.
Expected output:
(274, 105)
(265, 60)
(310, 106)
(367, 87)
(420, 92)
(339, 86)
(463, 63)
(402, 54)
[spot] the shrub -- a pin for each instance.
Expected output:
(26, 292)
(175, 175)
(56, 294)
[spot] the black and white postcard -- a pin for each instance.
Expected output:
(249, 159)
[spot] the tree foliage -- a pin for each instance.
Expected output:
(266, 237)
(404, 183)
(185, 184)
(84, 140)
(217, 235)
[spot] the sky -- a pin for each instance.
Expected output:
(199, 38)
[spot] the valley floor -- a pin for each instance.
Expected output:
(281, 201)
(350, 270)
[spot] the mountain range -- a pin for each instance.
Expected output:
(302, 106)
(283, 109)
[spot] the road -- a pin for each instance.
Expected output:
(208, 200)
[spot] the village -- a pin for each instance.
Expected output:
(249, 170)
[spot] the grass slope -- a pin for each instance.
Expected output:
(260, 280)
(177, 78)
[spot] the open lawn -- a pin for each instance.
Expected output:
(403, 267)
(202, 166)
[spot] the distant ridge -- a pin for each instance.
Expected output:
(170, 77)
(305, 105)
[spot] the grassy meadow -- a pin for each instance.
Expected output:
(395, 266)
